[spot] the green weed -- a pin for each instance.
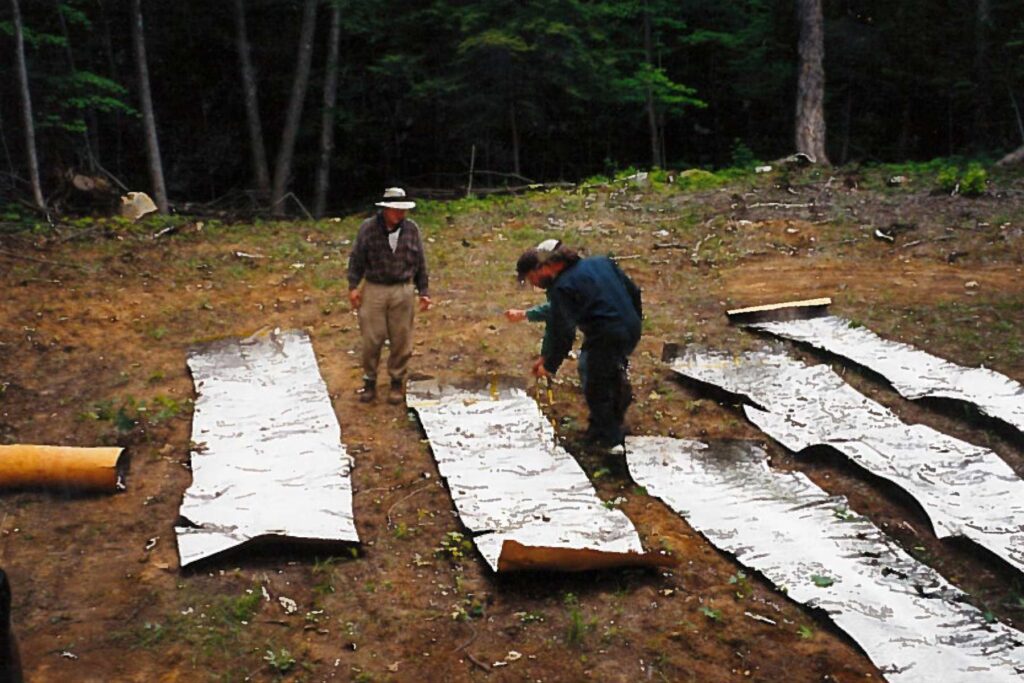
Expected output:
(454, 546)
(743, 588)
(280, 661)
(711, 613)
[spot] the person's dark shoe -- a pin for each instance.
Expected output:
(396, 394)
(602, 441)
(369, 392)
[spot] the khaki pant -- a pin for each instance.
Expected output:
(387, 313)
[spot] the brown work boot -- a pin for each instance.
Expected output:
(396, 394)
(369, 392)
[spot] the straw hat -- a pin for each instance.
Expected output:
(394, 198)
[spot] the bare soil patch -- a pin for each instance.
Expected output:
(84, 347)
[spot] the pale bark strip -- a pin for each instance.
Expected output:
(283, 166)
(810, 97)
(323, 175)
(156, 169)
(257, 150)
(26, 109)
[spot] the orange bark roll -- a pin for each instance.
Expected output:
(86, 469)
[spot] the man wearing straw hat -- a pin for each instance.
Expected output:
(388, 259)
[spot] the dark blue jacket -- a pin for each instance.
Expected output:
(598, 298)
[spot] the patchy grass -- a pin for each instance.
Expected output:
(96, 355)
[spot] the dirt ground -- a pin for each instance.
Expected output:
(98, 317)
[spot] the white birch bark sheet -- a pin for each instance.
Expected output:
(910, 621)
(267, 456)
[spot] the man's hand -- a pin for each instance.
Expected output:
(355, 298)
(424, 303)
(515, 315)
(538, 369)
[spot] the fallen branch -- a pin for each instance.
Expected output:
(480, 664)
(694, 255)
(670, 245)
(399, 502)
(301, 205)
(779, 205)
(469, 656)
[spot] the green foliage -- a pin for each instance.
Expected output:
(576, 629)
(152, 633)
(969, 182)
(699, 179)
(131, 413)
(711, 613)
(948, 179)
(529, 617)
(742, 156)
(743, 588)
(454, 546)
(280, 661)
(974, 181)
(242, 608)
(648, 80)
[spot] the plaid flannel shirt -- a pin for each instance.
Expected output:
(372, 258)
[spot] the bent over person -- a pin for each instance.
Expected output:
(594, 295)
(388, 255)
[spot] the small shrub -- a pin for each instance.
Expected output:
(971, 182)
(974, 181)
(698, 179)
(948, 179)
(455, 546)
(281, 661)
(742, 156)
(711, 613)
(742, 584)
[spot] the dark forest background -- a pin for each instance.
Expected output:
(529, 90)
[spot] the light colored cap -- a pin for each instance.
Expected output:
(394, 198)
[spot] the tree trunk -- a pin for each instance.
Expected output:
(26, 108)
(156, 169)
(903, 143)
(844, 153)
(810, 95)
(112, 70)
(257, 150)
(515, 137)
(323, 175)
(7, 151)
(652, 113)
(283, 166)
(982, 74)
